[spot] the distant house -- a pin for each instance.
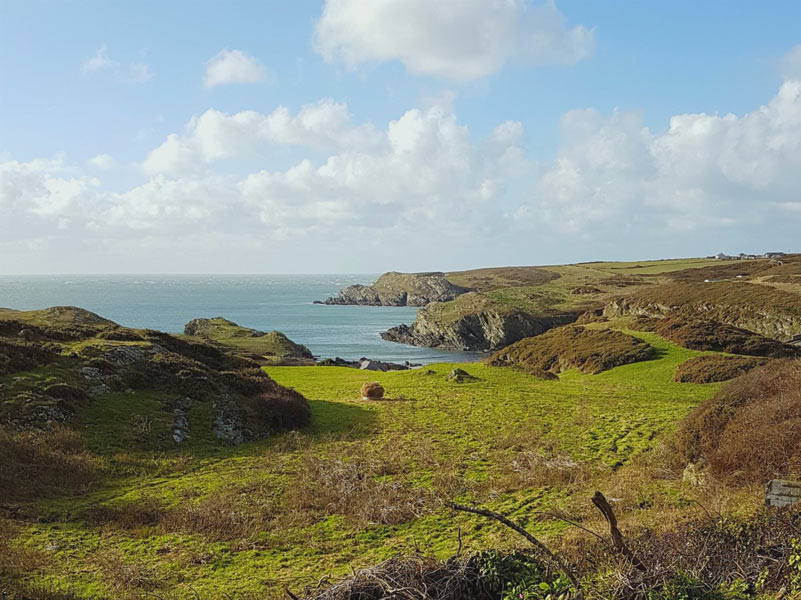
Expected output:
(721, 256)
(774, 255)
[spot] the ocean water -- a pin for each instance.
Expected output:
(266, 302)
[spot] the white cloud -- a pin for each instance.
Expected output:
(233, 66)
(705, 173)
(423, 189)
(215, 135)
(99, 61)
(134, 72)
(460, 40)
(101, 161)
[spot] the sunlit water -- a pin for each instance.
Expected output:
(266, 302)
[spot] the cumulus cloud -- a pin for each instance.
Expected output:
(423, 181)
(705, 173)
(459, 40)
(134, 72)
(233, 66)
(215, 135)
(428, 171)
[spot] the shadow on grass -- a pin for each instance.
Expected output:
(341, 419)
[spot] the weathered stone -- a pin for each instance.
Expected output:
(372, 391)
(400, 289)
(781, 492)
(459, 376)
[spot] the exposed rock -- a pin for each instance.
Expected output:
(372, 391)
(473, 323)
(228, 425)
(400, 289)
(460, 376)
(185, 373)
(761, 309)
(366, 364)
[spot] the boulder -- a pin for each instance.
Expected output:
(459, 376)
(372, 390)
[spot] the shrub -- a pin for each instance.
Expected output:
(563, 348)
(715, 367)
(750, 430)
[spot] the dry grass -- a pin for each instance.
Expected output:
(750, 431)
(572, 346)
(37, 463)
(361, 490)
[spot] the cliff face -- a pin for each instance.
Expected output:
(761, 309)
(400, 289)
(480, 326)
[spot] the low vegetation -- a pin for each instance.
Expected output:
(750, 431)
(272, 344)
(573, 346)
(714, 368)
(708, 335)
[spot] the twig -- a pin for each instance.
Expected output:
(576, 525)
(560, 564)
(617, 538)
(290, 594)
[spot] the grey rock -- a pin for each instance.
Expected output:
(484, 330)
(400, 289)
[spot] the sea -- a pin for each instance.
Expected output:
(266, 302)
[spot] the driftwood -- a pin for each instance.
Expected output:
(617, 538)
(553, 558)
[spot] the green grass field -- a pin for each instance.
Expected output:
(366, 481)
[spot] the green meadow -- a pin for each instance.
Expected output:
(366, 481)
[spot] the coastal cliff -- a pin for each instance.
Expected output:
(762, 309)
(399, 289)
(473, 322)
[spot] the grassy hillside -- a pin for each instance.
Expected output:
(365, 481)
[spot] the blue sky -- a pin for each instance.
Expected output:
(354, 136)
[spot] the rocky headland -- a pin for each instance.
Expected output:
(264, 343)
(474, 322)
(399, 289)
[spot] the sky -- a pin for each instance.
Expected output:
(360, 136)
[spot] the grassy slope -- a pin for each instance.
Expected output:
(534, 290)
(435, 436)
(230, 334)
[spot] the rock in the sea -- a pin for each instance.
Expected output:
(372, 391)
(460, 376)
(400, 289)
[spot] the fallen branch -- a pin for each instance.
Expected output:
(553, 558)
(617, 538)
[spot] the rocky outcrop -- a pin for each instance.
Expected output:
(228, 333)
(483, 327)
(765, 310)
(400, 289)
(367, 364)
(53, 382)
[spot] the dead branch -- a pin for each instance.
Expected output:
(617, 538)
(555, 560)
